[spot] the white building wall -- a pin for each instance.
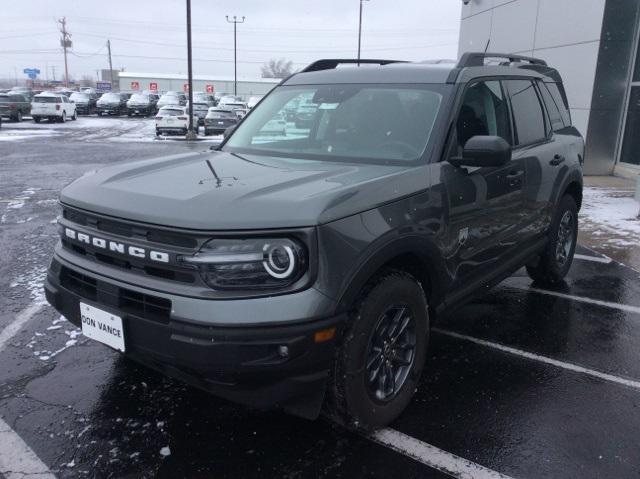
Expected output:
(566, 33)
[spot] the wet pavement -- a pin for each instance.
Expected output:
(526, 382)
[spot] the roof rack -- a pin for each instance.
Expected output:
(331, 63)
(476, 59)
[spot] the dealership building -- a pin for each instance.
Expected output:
(594, 45)
(178, 82)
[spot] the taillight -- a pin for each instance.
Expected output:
(57, 107)
(12, 106)
(182, 118)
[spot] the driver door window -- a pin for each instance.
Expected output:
(483, 112)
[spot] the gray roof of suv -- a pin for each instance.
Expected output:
(404, 73)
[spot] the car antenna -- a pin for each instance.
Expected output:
(488, 43)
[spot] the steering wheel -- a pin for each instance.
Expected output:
(408, 148)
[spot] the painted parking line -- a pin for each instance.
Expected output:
(583, 299)
(595, 259)
(17, 459)
(432, 456)
(543, 359)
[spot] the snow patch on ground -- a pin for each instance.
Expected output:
(613, 215)
(41, 340)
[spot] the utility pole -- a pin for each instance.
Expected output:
(65, 42)
(235, 22)
(110, 65)
(53, 72)
(191, 134)
(360, 31)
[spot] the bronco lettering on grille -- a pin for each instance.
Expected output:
(117, 247)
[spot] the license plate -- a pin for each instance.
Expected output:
(102, 326)
(169, 120)
(221, 123)
(137, 111)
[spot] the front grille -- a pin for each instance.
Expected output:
(142, 305)
(124, 263)
(121, 228)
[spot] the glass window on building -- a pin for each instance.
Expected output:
(631, 142)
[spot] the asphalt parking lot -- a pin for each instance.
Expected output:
(525, 382)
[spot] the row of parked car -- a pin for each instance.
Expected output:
(61, 105)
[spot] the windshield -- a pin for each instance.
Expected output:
(169, 99)
(170, 112)
(139, 97)
(222, 114)
(110, 97)
(79, 96)
(364, 123)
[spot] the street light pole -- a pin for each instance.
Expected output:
(360, 30)
(191, 134)
(235, 22)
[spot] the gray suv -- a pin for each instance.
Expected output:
(305, 270)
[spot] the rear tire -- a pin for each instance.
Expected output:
(75, 116)
(63, 118)
(36, 119)
(387, 338)
(555, 261)
(19, 116)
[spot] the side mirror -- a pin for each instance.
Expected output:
(228, 131)
(484, 151)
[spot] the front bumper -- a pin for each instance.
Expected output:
(109, 109)
(244, 364)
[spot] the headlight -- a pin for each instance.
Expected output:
(257, 263)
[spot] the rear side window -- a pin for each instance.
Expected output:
(552, 108)
(557, 97)
(528, 115)
(47, 99)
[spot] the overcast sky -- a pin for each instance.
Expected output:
(149, 36)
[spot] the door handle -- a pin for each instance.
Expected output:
(557, 159)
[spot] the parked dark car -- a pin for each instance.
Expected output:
(142, 104)
(305, 271)
(14, 106)
(112, 104)
(24, 91)
(218, 120)
(85, 102)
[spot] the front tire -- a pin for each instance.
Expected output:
(36, 119)
(555, 261)
(75, 116)
(379, 364)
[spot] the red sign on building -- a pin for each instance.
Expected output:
(210, 89)
(153, 86)
(135, 85)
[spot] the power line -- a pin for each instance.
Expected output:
(202, 46)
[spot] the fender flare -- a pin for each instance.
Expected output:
(375, 257)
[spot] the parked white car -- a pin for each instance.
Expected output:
(54, 107)
(240, 108)
(174, 119)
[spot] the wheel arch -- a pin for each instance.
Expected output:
(414, 255)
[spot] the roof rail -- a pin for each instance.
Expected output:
(331, 63)
(476, 59)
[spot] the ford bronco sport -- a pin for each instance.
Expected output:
(305, 270)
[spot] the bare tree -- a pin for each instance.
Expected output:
(277, 68)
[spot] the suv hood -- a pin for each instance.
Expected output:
(224, 191)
